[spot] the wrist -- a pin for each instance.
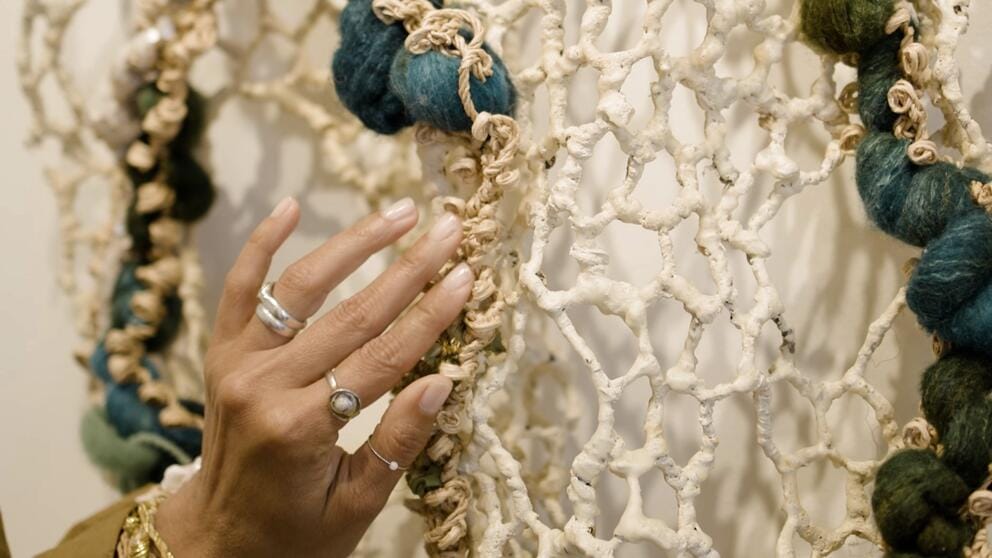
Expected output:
(182, 523)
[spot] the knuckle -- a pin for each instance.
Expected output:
(357, 311)
(236, 283)
(298, 278)
(404, 442)
(235, 393)
(366, 232)
(412, 263)
(431, 313)
(385, 353)
(278, 425)
(258, 239)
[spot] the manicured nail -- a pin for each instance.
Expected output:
(282, 207)
(446, 226)
(399, 210)
(435, 395)
(458, 277)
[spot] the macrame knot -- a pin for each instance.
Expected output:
(923, 152)
(409, 12)
(442, 30)
(153, 197)
(850, 137)
(848, 98)
(140, 156)
(124, 368)
(980, 504)
(901, 17)
(163, 275)
(981, 192)
(155, 392)
(920, 434)
(148, 307)
(165, 118)
(166, 233)
(902, 97)
(118, 342)
(915, 62)
(174, 415)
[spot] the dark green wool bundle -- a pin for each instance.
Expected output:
(388, 88)
(919, 496)
(845, 26)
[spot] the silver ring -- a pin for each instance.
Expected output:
(274, 324)
(277, 310)
(393, 466)
(343, 403)
(274, 316)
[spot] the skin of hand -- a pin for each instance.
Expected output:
(273, 481)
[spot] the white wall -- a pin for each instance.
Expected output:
(835, 275)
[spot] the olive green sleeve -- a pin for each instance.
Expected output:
(96, 536)
(4, 548)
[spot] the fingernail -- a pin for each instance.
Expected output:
(458, 277)
(435, 395)
(282, 207)
(446, 226)
(399, 210)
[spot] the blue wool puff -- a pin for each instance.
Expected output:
(361, 67)
(122, 315)
(428, 85)
(130, 416)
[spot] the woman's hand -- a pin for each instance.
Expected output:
(273, 481)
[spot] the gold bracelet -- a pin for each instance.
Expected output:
(139, 539)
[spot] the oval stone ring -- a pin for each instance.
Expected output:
(343, 403)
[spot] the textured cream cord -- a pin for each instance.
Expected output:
(544, 431)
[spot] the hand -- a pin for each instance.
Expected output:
(273, 481)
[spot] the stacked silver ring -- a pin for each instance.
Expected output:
(274, 316)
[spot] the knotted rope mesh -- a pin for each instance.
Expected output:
(543, 435)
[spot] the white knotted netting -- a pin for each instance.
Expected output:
(597, 434)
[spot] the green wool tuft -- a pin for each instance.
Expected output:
(845, 26)
(131, 463)
(916, 503)
(424, 476)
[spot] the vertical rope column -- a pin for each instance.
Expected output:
(162, 275)
(463, 349)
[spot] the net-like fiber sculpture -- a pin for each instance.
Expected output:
(532, 482)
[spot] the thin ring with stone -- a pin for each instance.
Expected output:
(393, 465)
(272, 314)
(343, 403)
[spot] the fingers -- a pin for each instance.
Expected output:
(401, 436)
(304, 285)
(374, 369)
(237, 303)
(364, 316)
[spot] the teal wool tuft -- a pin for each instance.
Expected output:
(389, 88)
(428, 85)
(122, 314)
(361, 68)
